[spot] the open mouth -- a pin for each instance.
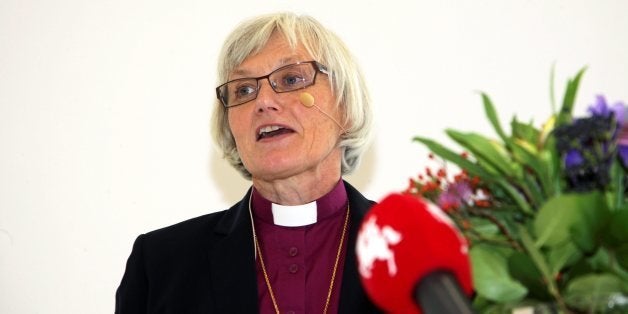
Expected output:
(271, 131)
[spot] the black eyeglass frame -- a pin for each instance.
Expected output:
(318, 67)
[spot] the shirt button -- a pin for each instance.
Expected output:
(293, 251)
(293, 268)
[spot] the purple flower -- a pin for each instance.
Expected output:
(456, 195)
(601, 108)
(623, 154)
(621, 134)
(573, 158)
(584, 146)
(622, 144)
(463, 189)
(589, 146)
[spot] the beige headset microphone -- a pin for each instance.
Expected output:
(307, 100)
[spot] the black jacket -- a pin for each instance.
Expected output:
(207, 265)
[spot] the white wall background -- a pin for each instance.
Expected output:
(104, 109)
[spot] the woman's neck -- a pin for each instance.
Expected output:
(296, 190)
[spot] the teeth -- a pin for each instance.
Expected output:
(270, 128)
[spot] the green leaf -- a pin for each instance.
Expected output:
(537, 257)
(619, 226)
(600, 261)
(551, 169)
(564, 116)
(591, 293)
(527, 155)
(571, 217)
(484, 227)
(484, 306)
(534, 190)
(523, 269)
(491, 113)
(524, 131)
(584, 237)
(562, 256)
(551, 156)
(481, 304)
(545, 133)
(491, 277)
(528, 152)
(621, 254)
(618, 175)
(516, 196)
(485, 171)
(486, 150)
(450, 155)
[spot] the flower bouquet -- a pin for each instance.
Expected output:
(544, 209)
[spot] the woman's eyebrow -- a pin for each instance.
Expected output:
(287, 60)
(283, 61)
(239, 72)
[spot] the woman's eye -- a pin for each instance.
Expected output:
(292, 79)
(244, 90)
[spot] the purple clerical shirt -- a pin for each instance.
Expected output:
(299, 261)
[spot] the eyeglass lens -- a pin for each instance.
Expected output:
(285, 79)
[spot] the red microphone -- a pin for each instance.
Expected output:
(412, 259)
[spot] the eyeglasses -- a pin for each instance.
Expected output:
(285, 79)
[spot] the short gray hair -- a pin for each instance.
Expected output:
(346, 79)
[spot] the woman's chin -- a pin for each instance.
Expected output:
(275, 172)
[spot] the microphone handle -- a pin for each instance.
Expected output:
(440, 293)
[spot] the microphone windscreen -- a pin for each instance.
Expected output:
(306, 99)
(401, 240)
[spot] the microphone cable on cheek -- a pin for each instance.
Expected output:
(307, 100)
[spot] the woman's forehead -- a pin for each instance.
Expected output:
(274, 55)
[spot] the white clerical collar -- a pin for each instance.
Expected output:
(294, 216)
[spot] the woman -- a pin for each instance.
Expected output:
(292, 116)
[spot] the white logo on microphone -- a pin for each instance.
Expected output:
(374, 244)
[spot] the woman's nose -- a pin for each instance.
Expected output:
(266, 98)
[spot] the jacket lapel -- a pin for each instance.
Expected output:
(353, 298)
(232, 260)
